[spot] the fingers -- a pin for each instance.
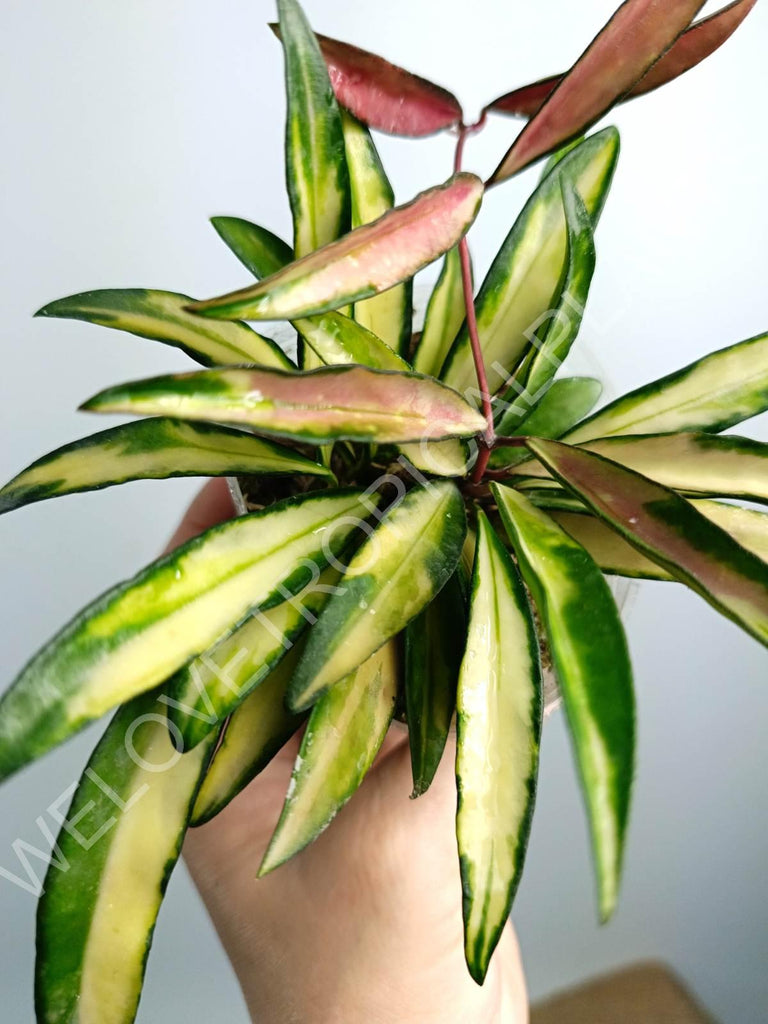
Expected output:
(211, 506)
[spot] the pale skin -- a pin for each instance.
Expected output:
(365, 924)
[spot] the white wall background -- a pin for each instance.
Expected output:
(124, 127)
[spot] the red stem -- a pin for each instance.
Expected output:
(485, 442)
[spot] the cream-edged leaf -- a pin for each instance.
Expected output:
(318, 406)
(392, 577)
(499, 709)
(163, 316)
(140, 632)
(152, 449)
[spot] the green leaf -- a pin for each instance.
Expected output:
(434, 645)
(318, 406)
(696, 463)
(668, 530)
(710, 394)
(617, 58)
(163, 316)
(393, 576)
(444, 317)
(499, 710)
(140, 632)
(367, 261)
(524, 284)
(119, 843)
(388, 315)
(589, 653)
(688, 50)
(614, 555)
(258, 249)
(344, 733)
(150, 449)
(318, 185)
(563, 404)
(202, 694)
(560, 331)
(257, 730)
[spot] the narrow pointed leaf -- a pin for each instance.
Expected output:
(385, 96)
(565, 402)
(154, 449)
(499, 709)
(696, 463)
(316, 171)
(591, 661)
(120, 841)
(711, 394)
(258, 249)
(688, 50)
(367, 261)
(201, 695)
(668, 530)
(614, 555)
(524, 285)
(140, 632)
(257, 730)
(617, 58)
(390, 579)
(333, 337)
(551, 349)
(344, 733)
(163, 316)
(434, 645)
(388, 315)
(444, 317)
(318, 407)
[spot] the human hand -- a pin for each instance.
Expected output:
(365, 924)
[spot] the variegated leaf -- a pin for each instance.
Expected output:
(257, 730)
(316, 171)
(201, 695)
(367, 261)
(668, 530)
(688, 50)
(140, 632)
(711, 394)
(390, 579)
(499, 709)
(163, 316)
(320, 406)
(345, 731)
(524, 284)
(696, 463)
(119, 843)
(615, 555)
(389, 315)
(617, 58)
(590, 657)
(444, 317)
(150, 449)
(564, 403)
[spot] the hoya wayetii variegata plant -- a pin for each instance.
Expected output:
(427, 520)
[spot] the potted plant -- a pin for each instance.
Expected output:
(428, 518)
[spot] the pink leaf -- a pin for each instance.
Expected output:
(692, 47)
(385, 96)
(617, 58)
(368, 260)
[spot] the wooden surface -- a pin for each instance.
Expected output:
(641, 994)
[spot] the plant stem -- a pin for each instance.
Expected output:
(485, 442)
